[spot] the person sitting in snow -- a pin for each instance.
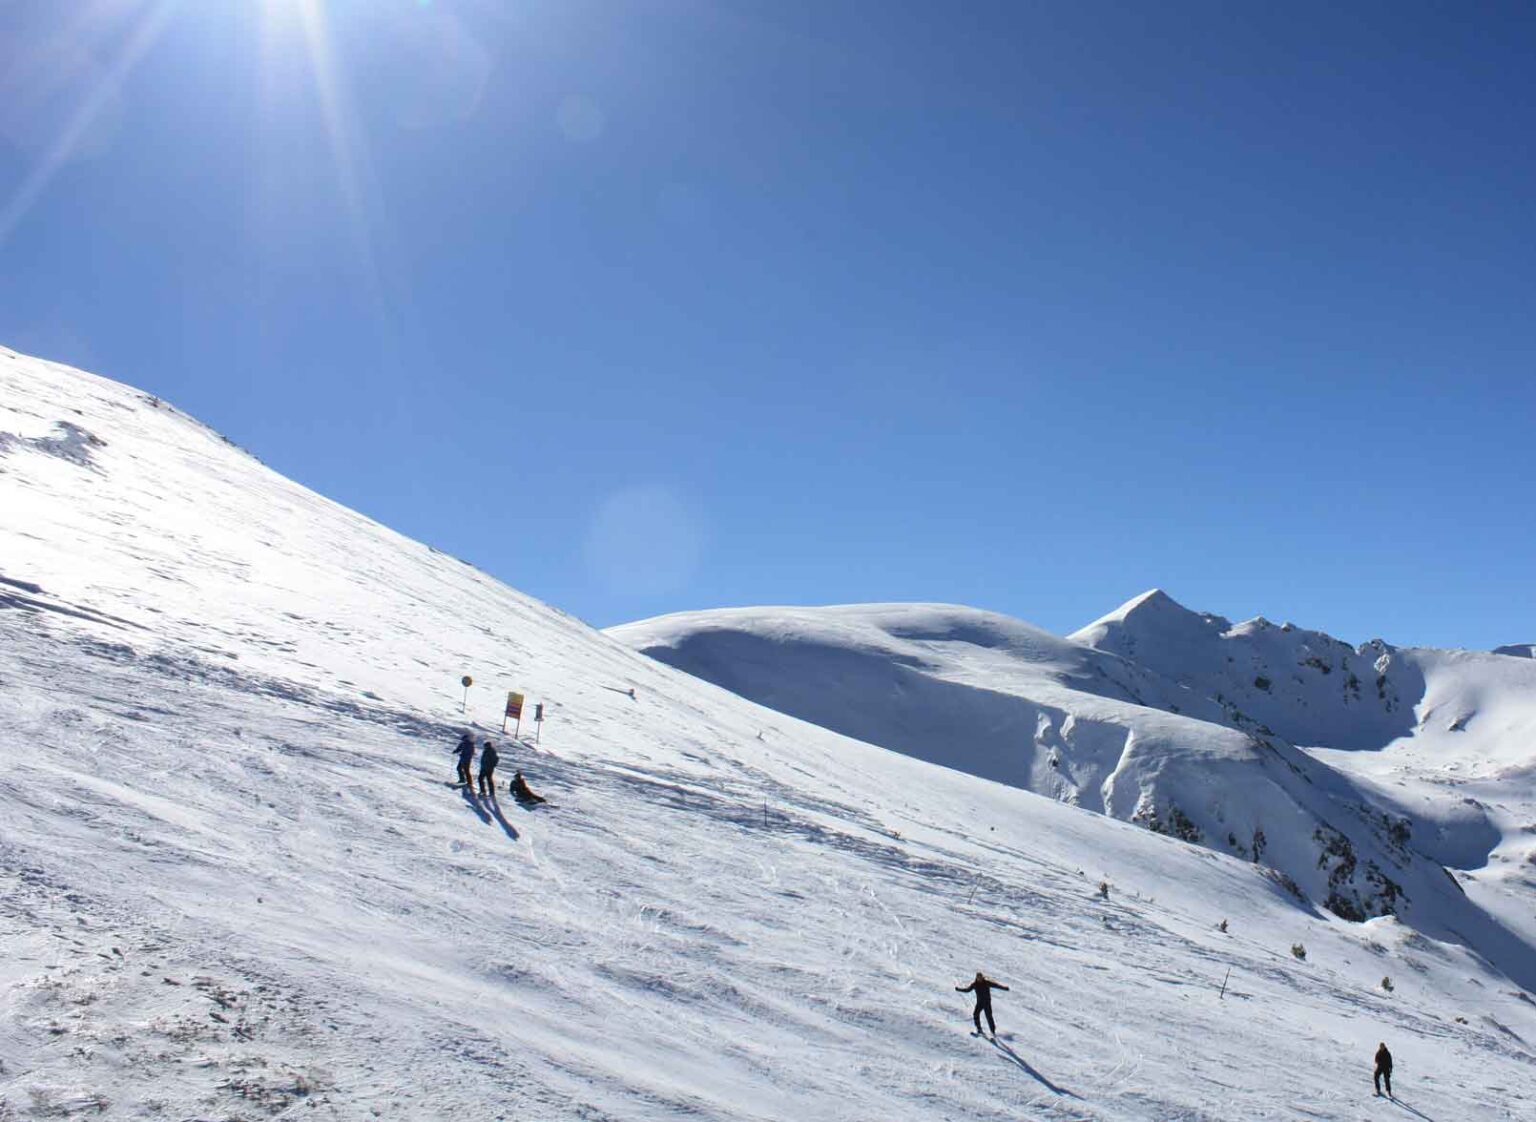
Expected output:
(983, 987)
(1384, 1068)
(466, 752)
(488, 761)
(521, 791)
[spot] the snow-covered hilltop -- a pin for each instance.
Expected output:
(1154, 714)
(1447, 739)
(1303, 685)
(234, 884)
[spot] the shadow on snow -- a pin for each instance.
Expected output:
(1023, 1065)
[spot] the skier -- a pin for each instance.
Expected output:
(488, 761)
(1383, 1069)
(983, 986)
(521, 791)
(466, 752)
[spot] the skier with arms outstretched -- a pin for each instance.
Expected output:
(983, 986)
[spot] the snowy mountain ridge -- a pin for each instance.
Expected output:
(1154, 714)
(1303, 685)
(234, 883)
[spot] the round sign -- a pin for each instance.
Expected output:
(466, 681)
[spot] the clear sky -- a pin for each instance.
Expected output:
(651, 306)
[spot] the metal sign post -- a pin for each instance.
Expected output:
(466, 682)
(514, 711)
(538, 722)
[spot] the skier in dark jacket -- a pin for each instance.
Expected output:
(466, 752)
(521, 791)
(1383, 1068)
(983, 986)
(488, 761)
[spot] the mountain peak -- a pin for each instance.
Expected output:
(1153, 600)
(1152, 611)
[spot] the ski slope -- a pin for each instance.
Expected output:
(237, 886)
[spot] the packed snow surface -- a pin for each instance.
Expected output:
(236, 884)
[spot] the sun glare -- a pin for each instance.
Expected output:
(141, 36)
(307, 22)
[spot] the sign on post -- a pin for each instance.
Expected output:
(514, 710)
(538, 723)
(466, 682)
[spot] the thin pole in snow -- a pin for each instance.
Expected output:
(765, 814)
(1224, 985)
(972, 896)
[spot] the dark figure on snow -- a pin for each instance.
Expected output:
(488, 761)
(1383, 1069)
(521, 791)
(466, 752)
(983, 986)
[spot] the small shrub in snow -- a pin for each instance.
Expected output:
(1222, 927)
(1386, 984)
(1299, 951)
(1262, 682)
(1104, 889)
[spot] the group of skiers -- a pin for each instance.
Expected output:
(982, 987)
(489, 758)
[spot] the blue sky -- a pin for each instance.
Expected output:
(652, 306)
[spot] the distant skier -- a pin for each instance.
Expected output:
(488, 762)
(466, 752)
(1383, 1069)
(521, 791)
(983, 987)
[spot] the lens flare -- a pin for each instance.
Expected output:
(141, 36)
(285, 20)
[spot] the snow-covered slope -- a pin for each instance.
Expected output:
(235, 885)
(1445, 740)
(1001, 699)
